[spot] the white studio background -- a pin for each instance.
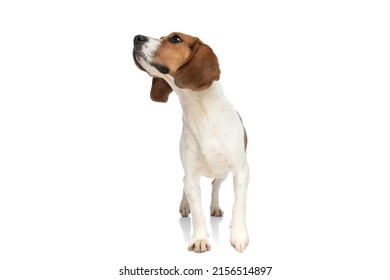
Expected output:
(90, 175)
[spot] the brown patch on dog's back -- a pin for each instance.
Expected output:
(245, 135)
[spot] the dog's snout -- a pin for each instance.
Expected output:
(140, 39)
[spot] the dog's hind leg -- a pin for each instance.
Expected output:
(215, 210)
(184, 208)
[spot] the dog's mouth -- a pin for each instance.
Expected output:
(136, 56)
(161, 68)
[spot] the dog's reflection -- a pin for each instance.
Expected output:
(185, 225)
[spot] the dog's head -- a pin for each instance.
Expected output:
(180, 58)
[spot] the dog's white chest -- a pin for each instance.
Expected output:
(211, 130)
(206, 154)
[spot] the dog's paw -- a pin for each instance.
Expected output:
(216, 211)
(239, 239)
(184, 209)
(199, 246)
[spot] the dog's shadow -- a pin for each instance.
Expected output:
(185, 225)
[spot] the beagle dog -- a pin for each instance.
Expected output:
(213, 140)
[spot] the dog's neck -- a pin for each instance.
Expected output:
(205, 97)
(201, 107)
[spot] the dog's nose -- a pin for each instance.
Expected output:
(140, 39)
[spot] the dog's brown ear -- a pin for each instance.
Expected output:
(200, 70)
(160, 90)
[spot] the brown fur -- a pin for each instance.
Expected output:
(200, 70)
(174, 55)
(160, 90)
(192, 63)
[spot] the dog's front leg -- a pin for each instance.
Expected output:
(239, 235)
(199, 242)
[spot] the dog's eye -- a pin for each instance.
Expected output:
(175, 39)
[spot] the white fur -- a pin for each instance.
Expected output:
(150, 48)
(212, 145)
